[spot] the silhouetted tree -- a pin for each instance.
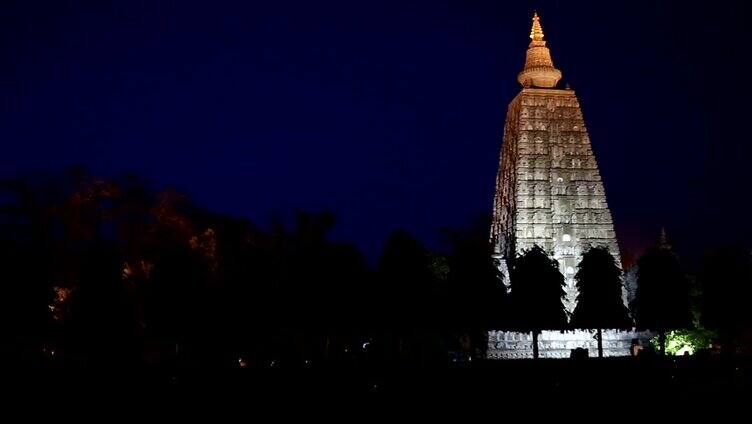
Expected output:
(662, 298)
(25, 318)
(54, 225)
(326, 278)
(537, 290)
(236, 321)
(726, 281)
(101, 328)
(599, 302)
(26, 252)
(476, 299)
(174, 302)
(405, 284)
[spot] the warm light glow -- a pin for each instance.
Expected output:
(58, 306)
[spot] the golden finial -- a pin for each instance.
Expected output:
(536, 32)
(539, 69)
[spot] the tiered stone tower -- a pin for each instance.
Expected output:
(548, 189)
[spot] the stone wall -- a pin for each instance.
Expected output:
(559, 344)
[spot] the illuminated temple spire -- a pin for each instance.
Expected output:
(539, 69)
(549, 193)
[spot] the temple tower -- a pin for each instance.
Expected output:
(548, 188)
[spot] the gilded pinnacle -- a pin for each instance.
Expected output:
(536, 32)
(539, 69)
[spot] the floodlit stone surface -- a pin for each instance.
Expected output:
(558, 344)
(548, 190)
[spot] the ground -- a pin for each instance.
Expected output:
(616, 378)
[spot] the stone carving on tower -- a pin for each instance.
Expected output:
(548, 188)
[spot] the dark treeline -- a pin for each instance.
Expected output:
(110, 271)
(100, 272)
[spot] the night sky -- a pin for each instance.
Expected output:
(388, 113)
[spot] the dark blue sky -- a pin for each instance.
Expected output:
(387, 113)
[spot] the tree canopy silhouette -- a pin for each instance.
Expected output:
(537, 290)
(599, 302)
(407, 297)
(662, 300)
(726, 281)
(476, 292)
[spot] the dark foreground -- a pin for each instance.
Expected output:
(620, 378)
